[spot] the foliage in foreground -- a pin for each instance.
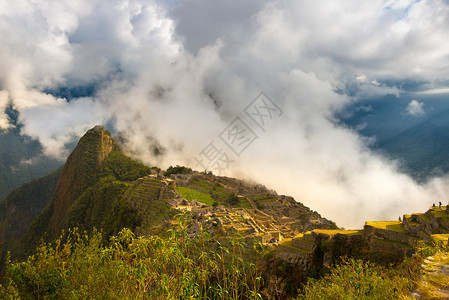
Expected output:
(175, 267)
(356, 279)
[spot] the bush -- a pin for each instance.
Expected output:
(174, 267)
(233, 200)
(356, 279)
(177, 170)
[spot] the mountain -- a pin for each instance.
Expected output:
(21, 160)
(21, 157)
(88, 192)
(194, 214)
(418, 140)
(422, 148)
(24, 204)
(100, 187)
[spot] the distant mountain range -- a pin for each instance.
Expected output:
(21, 157)
(420, 143)
(423, 148)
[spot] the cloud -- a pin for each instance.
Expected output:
(60, 123)
(4, 100)
(173, 76)
(415, 108)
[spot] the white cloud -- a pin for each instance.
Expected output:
(415, 108)
(58, 124)
(175, 76)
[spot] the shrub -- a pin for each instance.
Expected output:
(233, 200)
(356, 279)
(173, 267)
(177, 170)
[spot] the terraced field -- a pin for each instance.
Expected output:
(338, 231)
(191, 194)
(389, 225)
(263, 199)
(150, 197)
(209, 192)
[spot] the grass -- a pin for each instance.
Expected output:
(203, 184)
(356, 279)
(286, 242)
(434, 283)
(289, 244)
(423, 215)
(305, 240)
(392, 242)
(389, 225)
(153, 267)
(338, 231)
(440, 214)
(441, 237)
(191, 194)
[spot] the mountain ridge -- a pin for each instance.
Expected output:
(85, 159)
(99, 187)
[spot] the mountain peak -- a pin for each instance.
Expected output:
(80, 169)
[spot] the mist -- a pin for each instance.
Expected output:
(171, 78)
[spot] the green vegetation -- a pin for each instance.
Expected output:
(356, 279)
(423, 215)
(101, 204)
(232, 200)
(177, 170)
(96, 195)
(339, 231)
(174, 267)
(440, 213)
(434, 255)
(443, 238)
(122, 168)
(191, 194)
(263, 199)
(390, 225)
(400, 244)
(27, 202)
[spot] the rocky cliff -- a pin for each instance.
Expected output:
(79, 171)
(88, 193)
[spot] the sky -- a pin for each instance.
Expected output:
(248, 89)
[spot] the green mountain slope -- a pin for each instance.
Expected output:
(99, 187)
(24, 204)
(88, 193)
